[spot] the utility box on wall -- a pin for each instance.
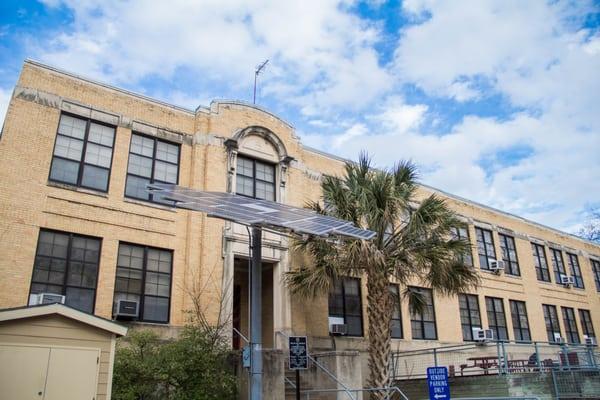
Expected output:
(53, 352)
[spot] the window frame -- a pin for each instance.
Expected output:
(470, 323)
(64, 284)
(571, 330)
(150, 198)
(486, 246)
(505, 250)
(596, 272)
(456, 234)
(81, 163)
(395, 297)
(494, 326)
(342, 281)
(539, 254)
(587, 326)
(549, 319)
(143, 281)
(516, 314)
(254, 178)
(575, 270)
(421, 321)
(558, 267)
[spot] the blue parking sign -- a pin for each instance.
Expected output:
(437, 380)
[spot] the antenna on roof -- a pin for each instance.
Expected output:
(257, 72)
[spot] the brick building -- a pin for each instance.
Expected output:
(75, 155)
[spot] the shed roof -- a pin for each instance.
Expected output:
(11, 314)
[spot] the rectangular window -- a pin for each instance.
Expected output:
(255, 179)
(496, 317)
(596, 272)
(67, 264)
(151, 160)
(423, 323)
(551, 320)
(462, 233)
(509, 254)
(586, 323)
(485, 247)
(575, 270)
(469, 314)
(345, 302)
(570, 325)
(144, 275)
(396, 321)
(82, 153)
(518, 312)
(558, 264)
(541, 265)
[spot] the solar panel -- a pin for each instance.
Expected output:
(251, 211)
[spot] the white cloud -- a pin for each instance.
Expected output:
(5, 95)
(321, 55)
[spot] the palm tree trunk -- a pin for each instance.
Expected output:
(379, 312)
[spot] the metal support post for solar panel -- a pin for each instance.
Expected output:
(256, 316)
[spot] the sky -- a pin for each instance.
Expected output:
(494, 101)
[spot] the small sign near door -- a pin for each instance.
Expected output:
(298, 352)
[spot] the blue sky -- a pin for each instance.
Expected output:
(496, 101)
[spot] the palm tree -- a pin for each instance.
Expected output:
(413, 246)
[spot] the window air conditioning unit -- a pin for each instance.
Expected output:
(127, 308)
(46, 298)
(567, 280)
(483, 335)
(496, 266)
(338, 329)
(589, 341)
(558, 338)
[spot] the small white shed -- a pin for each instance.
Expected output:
(54, 352)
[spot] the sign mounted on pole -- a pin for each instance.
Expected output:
(437, 380)
(298, 352)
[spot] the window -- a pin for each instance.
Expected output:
(496, 317)
(575, 270)
(255, 179)
(570, 325)
(469, 314)
(82, 153)
(509, 254)
(485, 246)
(144, 275)
(596, 272)
(541, 265)
(518, 312)
(551, 320)
(67, 264)
(396, 321)
(423, 323)
(150, 161)
(462, 233)
(586, 323)
(345, 302)
(559, 265)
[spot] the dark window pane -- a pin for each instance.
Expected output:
(95, 178)
(136, 187)
(64, 171)
(156, 309)
(81, 299)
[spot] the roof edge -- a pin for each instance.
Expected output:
(11, 314)
(250, 105)
(107, 86)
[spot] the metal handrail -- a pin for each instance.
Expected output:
(240, 334)
(327, 372)
(392, 389)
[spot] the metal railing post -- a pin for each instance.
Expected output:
(538, 361)
(504, 360)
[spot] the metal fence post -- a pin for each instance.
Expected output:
(565, 351)
(554, 383)
(504, 360)
(435, 357)
(538, 361)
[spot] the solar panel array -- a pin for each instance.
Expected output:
(257, 212)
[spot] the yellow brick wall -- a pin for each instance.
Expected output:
(29, 202)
